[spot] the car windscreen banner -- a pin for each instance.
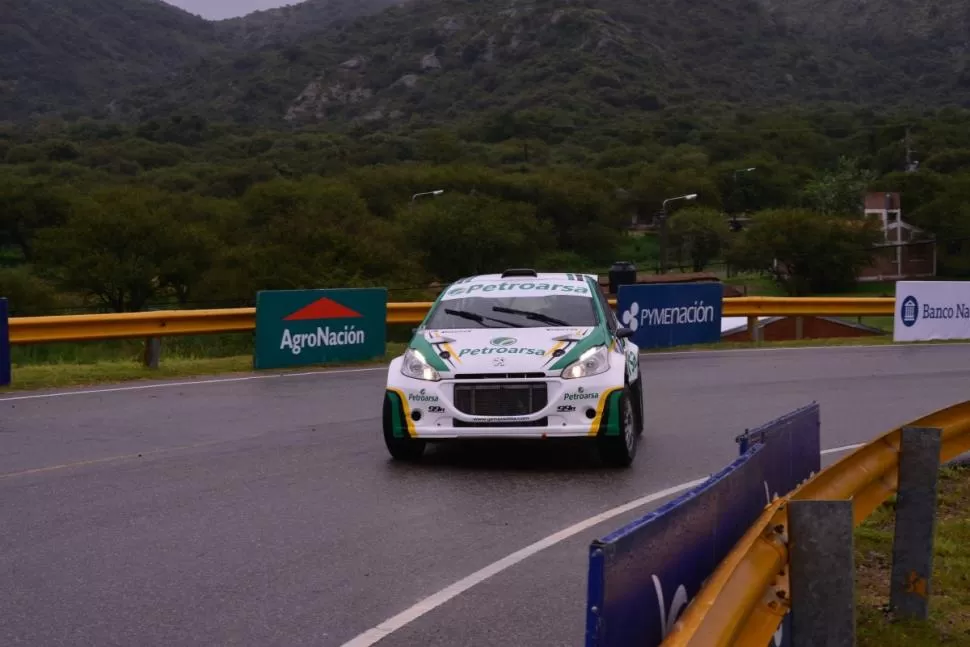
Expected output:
(300, 327)
(662, 316)
(643, 576)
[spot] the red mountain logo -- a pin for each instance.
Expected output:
(323, 308)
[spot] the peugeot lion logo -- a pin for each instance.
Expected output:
(503, 341)
(629, 317)
(909, 311)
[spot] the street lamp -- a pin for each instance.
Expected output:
(663, 228)
(436, 192)
(743, 170)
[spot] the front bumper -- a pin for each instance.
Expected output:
(573, 408)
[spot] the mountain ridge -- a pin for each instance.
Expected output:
(383, 62)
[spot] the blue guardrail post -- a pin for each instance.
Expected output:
(4, 344)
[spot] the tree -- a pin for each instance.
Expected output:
(805, 252)
(204, 228)
(840, 191)
(316, 233)
(113, 247)
(28, 206)
(698, 234)
(459, 235)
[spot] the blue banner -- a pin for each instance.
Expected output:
(643, 576)
(4, 344)
(671, 315)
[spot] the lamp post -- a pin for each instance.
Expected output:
(663, 228)
(435, 192)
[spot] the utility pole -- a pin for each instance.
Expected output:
(910, 166)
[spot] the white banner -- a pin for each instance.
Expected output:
(927, 310)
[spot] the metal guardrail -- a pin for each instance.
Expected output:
(36, 330)
(738, 605)
(127, 325)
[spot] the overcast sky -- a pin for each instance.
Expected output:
(217, 9)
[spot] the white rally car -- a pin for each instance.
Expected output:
(517, 355)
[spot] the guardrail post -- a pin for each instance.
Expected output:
(822, 574)
(753, 327)
(919, 466)
(799, 327)
(153, 352)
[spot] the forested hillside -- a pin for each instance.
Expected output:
(150, 158)
(380, 61)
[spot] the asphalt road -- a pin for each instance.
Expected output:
(266, 512)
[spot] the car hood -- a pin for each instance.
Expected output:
(506, 350)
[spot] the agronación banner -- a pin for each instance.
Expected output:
(299, 327)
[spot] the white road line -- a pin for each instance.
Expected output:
(406, 617)
(839, 450)
(166, 385)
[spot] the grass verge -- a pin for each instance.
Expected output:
(949, 621)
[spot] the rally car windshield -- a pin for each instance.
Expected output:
(559, 310)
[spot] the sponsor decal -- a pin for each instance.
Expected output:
(634, 317)
(436, 409)
(581, 394)
(296, 342)
(503, 350)
(500, 419)
(956, 311)
(909, 311)
(323, 308)
(503, 341)
(508, 286)
(422, 396)
(565, 408)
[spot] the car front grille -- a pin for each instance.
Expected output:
(541, 422)
(501, 399)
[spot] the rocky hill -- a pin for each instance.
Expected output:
(424, 61)
(82, 55)
(292, 22)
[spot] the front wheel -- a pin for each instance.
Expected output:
(619, 451)
(401, 448)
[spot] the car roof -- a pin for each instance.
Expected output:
(539, 276)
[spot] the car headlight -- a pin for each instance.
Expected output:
(593, 362)
(415, 365)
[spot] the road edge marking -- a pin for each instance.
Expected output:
(202, 382)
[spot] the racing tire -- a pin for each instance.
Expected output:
(401, 449)
(637, 389)
(619, 451)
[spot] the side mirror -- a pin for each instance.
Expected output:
(623, 333)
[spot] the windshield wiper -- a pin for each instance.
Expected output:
(535, 316)
(474, 316)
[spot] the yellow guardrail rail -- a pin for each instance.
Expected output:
(122, 325)
(745, 599)
(34, 330)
